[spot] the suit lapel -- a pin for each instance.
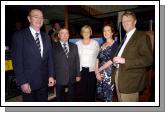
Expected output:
(61, 49)
(70, 50)
(31, 41)
(131, 41)
(30, 38)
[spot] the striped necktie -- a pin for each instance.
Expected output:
(37, 41)
(65, 49)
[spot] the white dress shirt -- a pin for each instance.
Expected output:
(40, 39)
(129, 35)
(88, 54)
(62, 44)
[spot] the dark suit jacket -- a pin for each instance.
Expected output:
(138, 56)
(29, 67)
(66, 69)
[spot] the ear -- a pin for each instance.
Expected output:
(28, 17)
(135, 22)
(58, 35)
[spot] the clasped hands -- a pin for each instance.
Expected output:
(98, 75)
(52, 82)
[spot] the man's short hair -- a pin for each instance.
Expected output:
(129, 13)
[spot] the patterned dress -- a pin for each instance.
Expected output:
(105, 87)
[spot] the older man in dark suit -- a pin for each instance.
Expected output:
(132, 60)
(67, 66)
(33, 60)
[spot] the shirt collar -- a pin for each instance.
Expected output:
(129, 34)
(33, 31)
(64, 43)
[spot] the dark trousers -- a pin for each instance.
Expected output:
(62, 96)
(40, 95)
(88, 85)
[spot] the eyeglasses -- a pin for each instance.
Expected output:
(36, 17)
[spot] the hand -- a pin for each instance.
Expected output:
(26, 88)
(78, 78)
(97, 71)
(51, 82)
(98, 77)
(100, 69)
(118, 60)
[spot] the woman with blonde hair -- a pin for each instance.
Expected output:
(88, 49)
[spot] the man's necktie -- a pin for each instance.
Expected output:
(37, 41)
(65, 49)
(116, 53)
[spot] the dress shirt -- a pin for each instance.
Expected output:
(62, 44)
(129, 35)
(40, 39)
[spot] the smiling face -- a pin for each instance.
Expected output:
(86, 33)
(107, 32)
(63, 35)
(36, 19)
(128, 22)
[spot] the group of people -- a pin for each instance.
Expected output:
(99, 69)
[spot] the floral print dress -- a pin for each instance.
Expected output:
(105, 87)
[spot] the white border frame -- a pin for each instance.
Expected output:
(156, 103)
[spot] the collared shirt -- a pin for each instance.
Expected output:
(129, 35)
(40, 38)
(67, 45)
(88, 54)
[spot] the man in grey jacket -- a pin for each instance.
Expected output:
(67, 66)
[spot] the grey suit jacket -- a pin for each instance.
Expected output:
(138, 56)
(66, 69)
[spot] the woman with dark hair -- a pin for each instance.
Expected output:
(104, 63)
